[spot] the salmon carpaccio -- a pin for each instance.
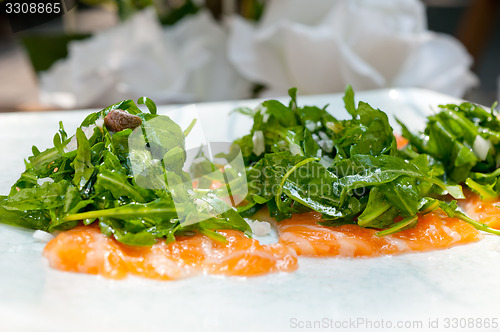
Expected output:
(85, 249)
(433, 231)
(486, 212)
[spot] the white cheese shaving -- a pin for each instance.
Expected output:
(265, 117)
(481, 147)
(263, 111)
(42, 236)
(43, 180)
(259, 228)
(295, 149)
(258, 143)
(310, 125)
(326, 142)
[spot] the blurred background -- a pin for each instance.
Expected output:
(181, 51)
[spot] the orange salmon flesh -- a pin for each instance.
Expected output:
(433, 231)
(85, 249)
(487, 212)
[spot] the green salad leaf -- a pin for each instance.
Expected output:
(465, 140)
(89, 177)
(131, 182)
(303, 159)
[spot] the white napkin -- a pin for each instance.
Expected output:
(211, 76)
(319, 46)
(184, 63)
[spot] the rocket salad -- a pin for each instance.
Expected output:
(88, 177)
(297, 159)
(302, 159)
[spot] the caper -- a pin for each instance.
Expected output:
(118, 120)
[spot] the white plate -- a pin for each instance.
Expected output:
(357, 294)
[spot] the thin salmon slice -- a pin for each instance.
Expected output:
(433, 231)
(486, 212)
(87, 250)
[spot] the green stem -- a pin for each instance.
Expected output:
(485, 192)
(477, 225)
(189, 128)
(398, 226)
(45, 158)
(286, 176)
(430, 206)
(365, 219)
(119, 212)
(213, 235)
(134, 194)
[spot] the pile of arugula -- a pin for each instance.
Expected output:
(298, 159)
(303, 159)
(465, 140)
(88, 177)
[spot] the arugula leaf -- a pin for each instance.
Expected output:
(48, 196)
(465, 140)
(83, 161)
(362, 176)
(149, 104)
(33, 220)
(349, 101)
(89, 177)
(403, 224)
